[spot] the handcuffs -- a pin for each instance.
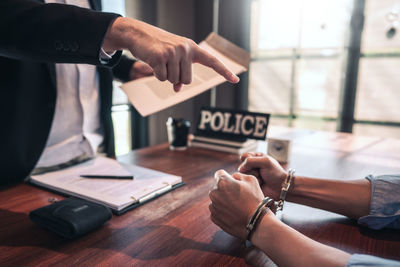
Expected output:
(269, 203)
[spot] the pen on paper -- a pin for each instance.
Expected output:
(94, 176)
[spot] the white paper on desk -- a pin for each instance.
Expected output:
(114, 193)
(149, 95)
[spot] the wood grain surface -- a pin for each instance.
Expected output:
(175, 229)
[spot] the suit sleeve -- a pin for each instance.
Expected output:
(122, 70)
(53, 32)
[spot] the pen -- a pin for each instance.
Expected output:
(130, 177)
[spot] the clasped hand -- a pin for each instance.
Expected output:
(233, 201)
(235, 197)
(266, 169)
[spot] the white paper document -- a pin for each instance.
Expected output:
(114, 193)
(149, 95)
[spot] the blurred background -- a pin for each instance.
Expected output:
(316, 64)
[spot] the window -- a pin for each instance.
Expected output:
(121, 115)
(378, 96)
(121, 110)
(298, 51)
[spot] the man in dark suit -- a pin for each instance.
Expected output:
(29, 92)
(34, 36)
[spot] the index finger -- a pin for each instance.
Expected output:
(254, 163)
(250, 154)
(203, 57)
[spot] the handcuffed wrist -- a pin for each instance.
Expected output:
(285, 188)
(257, 215)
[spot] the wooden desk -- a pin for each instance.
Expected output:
(175, 229)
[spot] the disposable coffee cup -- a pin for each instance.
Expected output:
(178, 131)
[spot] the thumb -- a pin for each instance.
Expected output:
(238, 176)
(251, 163)
(222, 175)
(146, 68)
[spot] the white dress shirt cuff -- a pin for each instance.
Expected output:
(105, 57)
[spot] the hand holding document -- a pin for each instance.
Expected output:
(149, 95)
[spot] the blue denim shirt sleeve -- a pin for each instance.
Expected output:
(360, 260)
(385, 203)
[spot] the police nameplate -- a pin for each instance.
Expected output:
(232, 124)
